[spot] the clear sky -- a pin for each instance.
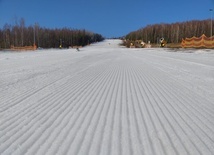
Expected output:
(110, 18)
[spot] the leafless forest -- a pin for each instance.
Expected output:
(173, 33)
(21, 35)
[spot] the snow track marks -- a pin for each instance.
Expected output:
(111, 101)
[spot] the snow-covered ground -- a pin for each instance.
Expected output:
(106, 99)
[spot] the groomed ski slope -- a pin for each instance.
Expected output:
(107, 100)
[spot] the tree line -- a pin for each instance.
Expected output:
(19, 35)
(172, 33)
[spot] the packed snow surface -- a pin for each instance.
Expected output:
(106, 99)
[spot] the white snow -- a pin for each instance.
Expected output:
(106, 99)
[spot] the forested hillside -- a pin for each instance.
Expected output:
(173, 33)
(20, 35)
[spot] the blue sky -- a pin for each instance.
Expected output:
(110, 18)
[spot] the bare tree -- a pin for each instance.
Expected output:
(7, 35)
(22, 25)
